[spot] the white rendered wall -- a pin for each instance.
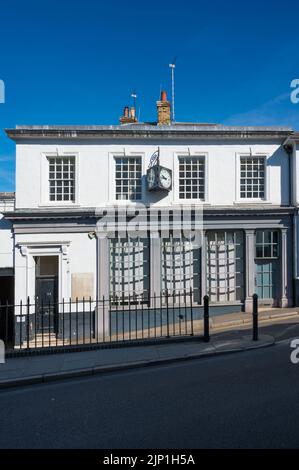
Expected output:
(95, 171)
(6, 244)
(6, 237)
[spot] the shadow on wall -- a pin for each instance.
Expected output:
(4, 224)
(7, 309)
(153, 196)
(280, 158)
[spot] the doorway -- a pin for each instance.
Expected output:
(46, 289)
(266, 279)
(267, 272)
(7, 307)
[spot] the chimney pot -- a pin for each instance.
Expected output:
(163, 95)
(132, 112)
(129, 116)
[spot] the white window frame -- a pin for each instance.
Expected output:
(252, 200)
(176, 180)
(112, 183)
(45, 187)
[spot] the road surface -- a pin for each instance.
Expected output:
(241, 400)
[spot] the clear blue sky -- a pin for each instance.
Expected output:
(76, 62)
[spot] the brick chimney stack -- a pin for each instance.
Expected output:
(129, 116)
(163, 108)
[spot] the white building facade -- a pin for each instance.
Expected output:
(70, 180)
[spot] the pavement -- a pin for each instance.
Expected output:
(266, 315)
(229, 333)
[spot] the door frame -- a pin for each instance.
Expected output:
(273, 301)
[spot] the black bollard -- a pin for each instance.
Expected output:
(206, 322)
(255, 333)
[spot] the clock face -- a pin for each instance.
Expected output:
(151, 178)
(165, 178)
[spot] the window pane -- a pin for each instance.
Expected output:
(259, 236)
(267, 236)
(267, 251)
(259, 251)
(275, 251)
(47, 265)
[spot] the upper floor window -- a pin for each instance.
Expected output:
(62, 178)
(252, 177)
(128, 173)
(192, 177)
(266, 244)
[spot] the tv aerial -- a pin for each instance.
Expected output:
(172, 67)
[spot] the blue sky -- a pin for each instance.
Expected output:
(76, 62)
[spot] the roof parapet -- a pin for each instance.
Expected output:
(140, 131)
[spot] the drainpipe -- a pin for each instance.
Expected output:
(295, 228)
(289, 148)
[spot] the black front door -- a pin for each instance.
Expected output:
(46, 304)
(7, 309)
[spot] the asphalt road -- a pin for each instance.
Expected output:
(241, 400)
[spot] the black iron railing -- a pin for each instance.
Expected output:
(34, 325)
(45, 325)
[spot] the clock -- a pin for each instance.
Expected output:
(165, 178)
(151, 178)
(159, 178)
